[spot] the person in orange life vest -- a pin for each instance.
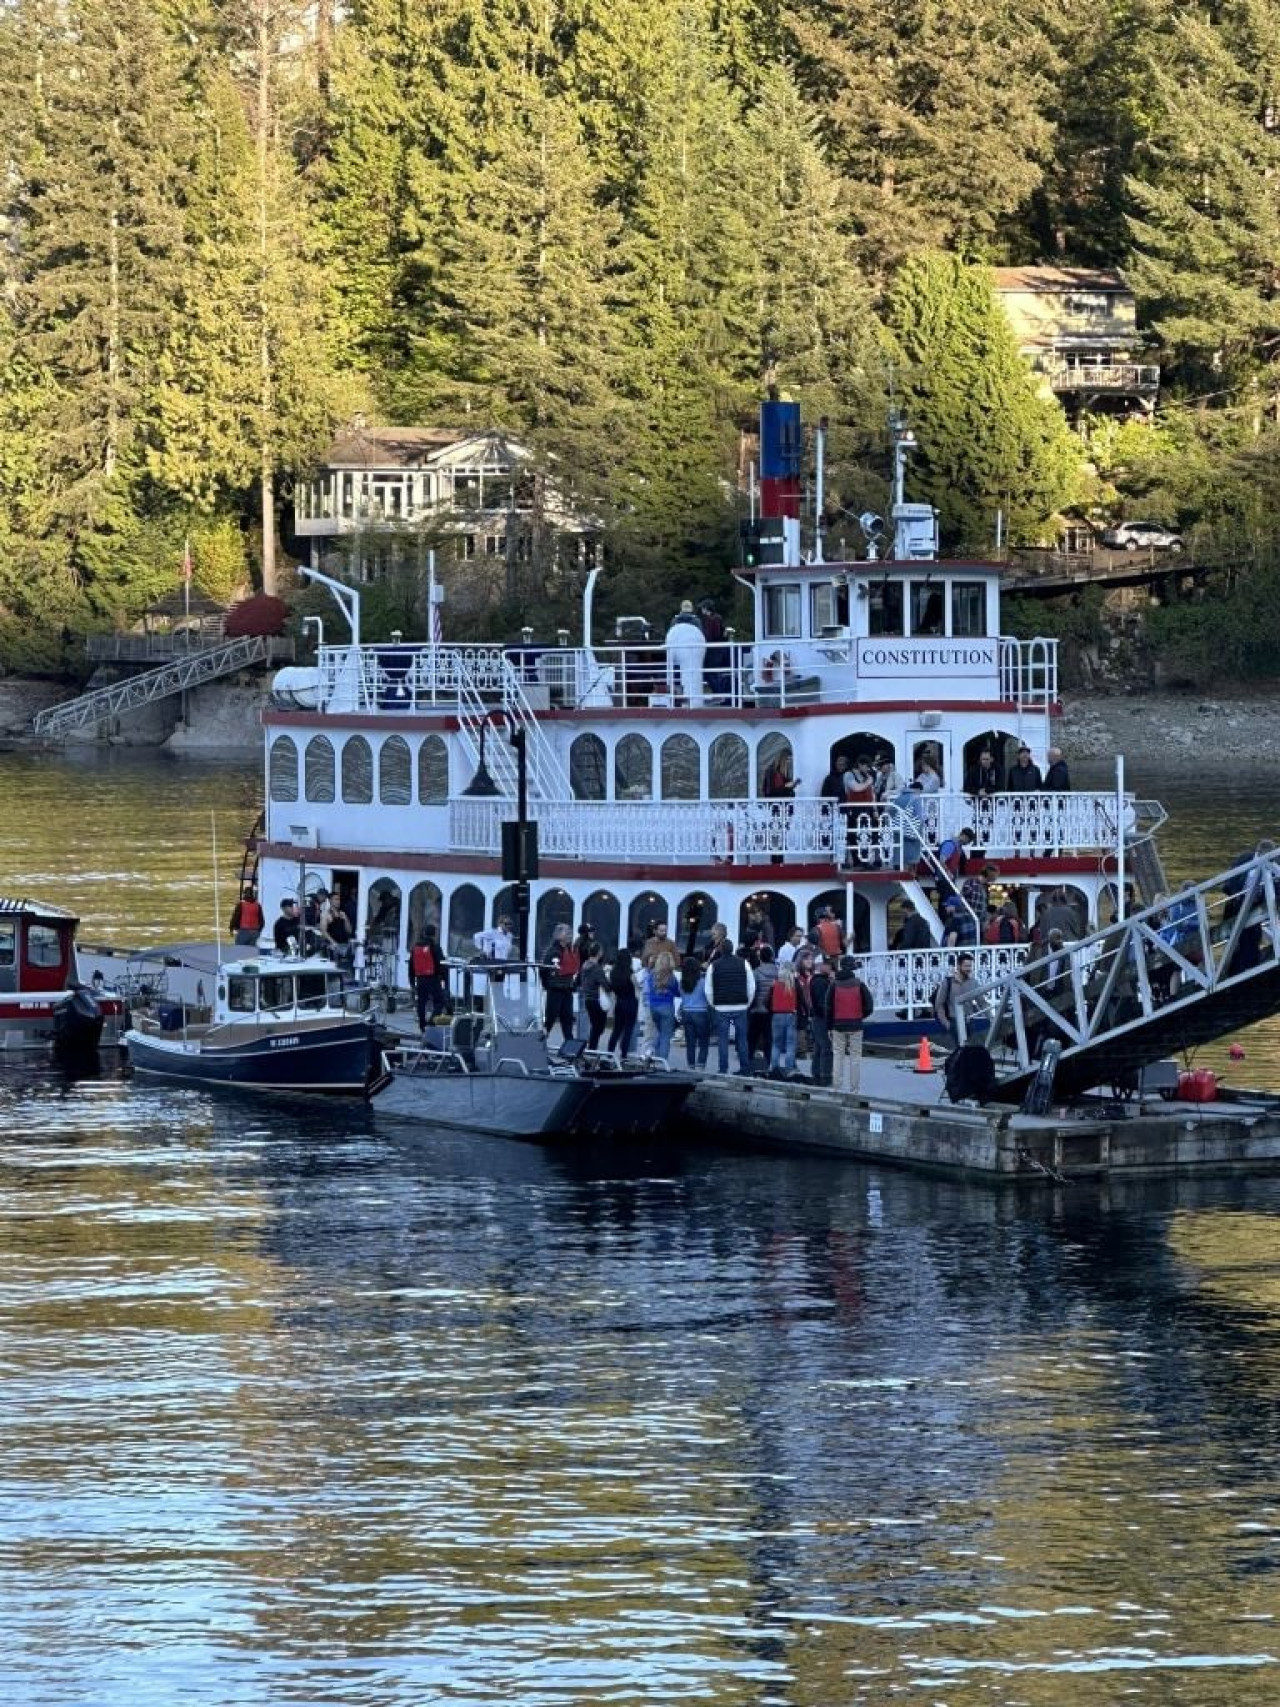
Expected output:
(427, 968)
(851, 1004)
(559, 980)
(247, 918)
(828, 935)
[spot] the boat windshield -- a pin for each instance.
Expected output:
(513, 999)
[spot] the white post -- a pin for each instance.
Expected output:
(1120, 879)
(819, 497)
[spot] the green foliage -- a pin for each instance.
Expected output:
(988, 440)
(1228, 634)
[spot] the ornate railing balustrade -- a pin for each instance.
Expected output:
(903, 981)
(857, 838)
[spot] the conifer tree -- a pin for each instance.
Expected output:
(988, 439)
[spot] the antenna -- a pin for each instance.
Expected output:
(217, 910)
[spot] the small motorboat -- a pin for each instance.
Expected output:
(274, 1025)
(43, 1000)
(490, 1070)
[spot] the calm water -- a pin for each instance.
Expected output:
(296, 1409)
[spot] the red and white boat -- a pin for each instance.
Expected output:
(391, 768)
(43, 1001)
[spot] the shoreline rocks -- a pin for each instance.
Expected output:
(1170, 729)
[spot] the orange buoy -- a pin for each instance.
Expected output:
(924, 1059)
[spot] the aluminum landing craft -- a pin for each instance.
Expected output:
(490, 1071)
(1190, 969)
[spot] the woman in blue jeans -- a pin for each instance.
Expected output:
(661, 988)
(695, 1012)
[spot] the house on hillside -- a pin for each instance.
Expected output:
(382, 497)
(1078, 328)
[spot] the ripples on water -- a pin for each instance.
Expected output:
(302, 1409)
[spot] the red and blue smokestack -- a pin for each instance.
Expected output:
(781, 451)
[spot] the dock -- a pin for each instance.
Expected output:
(901, 1117)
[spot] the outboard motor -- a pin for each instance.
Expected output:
(77, 1024)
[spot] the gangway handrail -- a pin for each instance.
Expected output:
(1186, 969)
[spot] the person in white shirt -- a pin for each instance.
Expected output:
(789, 949)
(495, 944)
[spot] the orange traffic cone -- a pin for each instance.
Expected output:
(924, 1060)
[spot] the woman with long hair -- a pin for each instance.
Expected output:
(626, 1003)
(661, 991)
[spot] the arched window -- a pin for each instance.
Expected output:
(395, 772)
(555, 907)
(426, 907)
(284, 769)
(587, 773)
(357, 771)
(601, 911)
(730, 770)
(644, 913)
(633, 769)
(681, 768)
(433, 770)
(466, 917)
(766, 917)
(504, 906)
(835, 899)
(694, 918)
(319, 769)
(382, 931)
(772, 750)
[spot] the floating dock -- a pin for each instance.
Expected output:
(900, 1116)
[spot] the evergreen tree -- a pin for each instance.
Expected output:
(988, 439)
(1207, 226)
(937, 115)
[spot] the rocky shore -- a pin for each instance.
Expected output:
(1157, 728)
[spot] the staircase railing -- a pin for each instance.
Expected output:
(135, 691)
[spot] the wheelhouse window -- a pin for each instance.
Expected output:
(969, 608)
(884, 607)
(782, 611)
(242, 995)
(8, 941)
(44, 946)
(927, 607)
(276, 993)
(828, 608)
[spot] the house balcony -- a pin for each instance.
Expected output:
(1104, 379)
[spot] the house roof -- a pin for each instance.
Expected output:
(399, 447)
(1051, 280)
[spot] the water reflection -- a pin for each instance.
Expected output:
(300, 1409)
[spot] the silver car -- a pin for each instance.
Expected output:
(1142, 536)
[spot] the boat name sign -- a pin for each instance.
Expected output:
(928, 657)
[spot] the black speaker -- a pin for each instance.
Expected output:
(519, 852)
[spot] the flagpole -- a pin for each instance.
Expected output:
(433, 632)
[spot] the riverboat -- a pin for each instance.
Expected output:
(275, 1024)
(44, 1003)
(489, 1070)
(627, 782)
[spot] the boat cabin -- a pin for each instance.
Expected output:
(37, 946)
(282, 989)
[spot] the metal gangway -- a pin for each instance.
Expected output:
(182, 673)
(1194, 967)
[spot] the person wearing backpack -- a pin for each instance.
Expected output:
(949, 994)
(1005, 927)
(559, 980)
(851, 1005)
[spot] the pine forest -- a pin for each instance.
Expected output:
(608, 228)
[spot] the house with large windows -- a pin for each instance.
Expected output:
(382, 497)
(1077, 327)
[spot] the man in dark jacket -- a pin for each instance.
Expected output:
(1057, 779)
(1024, 774)
(850, 1004)
(914, 931)
(731, 984)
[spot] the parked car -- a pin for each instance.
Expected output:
(1141, 536)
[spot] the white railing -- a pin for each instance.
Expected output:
(859, 838)
(417, 677)
(903, 981)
